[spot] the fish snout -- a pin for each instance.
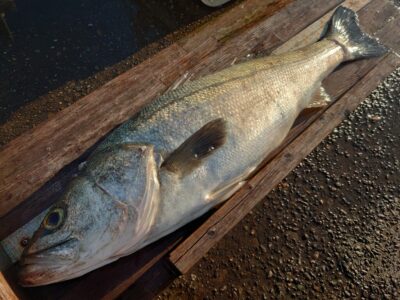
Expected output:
(40, 266)
(33, 275)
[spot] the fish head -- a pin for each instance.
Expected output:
(76, 234)
(91, 226)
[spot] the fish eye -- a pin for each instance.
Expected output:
(54, 219)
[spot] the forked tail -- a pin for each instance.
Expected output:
(345, 30)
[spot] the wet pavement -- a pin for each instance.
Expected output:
(330, 230)
(55, 42)
(34, 85)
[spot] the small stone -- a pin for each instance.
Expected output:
(374, 118)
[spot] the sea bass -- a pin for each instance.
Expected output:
(191, 149)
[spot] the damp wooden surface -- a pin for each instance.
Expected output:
(30, 160)
(6, 292)
(33, 158)
(251, 30)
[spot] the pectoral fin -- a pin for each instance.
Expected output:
(320, 99)
(197, 147)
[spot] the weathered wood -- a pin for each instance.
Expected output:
(122, 278)
(168, 65)
(6, 292)
(33, 158)
(109, 281)
(115, 286)
(152, 282)
(312, 33)
(192, 249)
(269, 34)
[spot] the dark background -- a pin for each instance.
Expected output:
(55, 41)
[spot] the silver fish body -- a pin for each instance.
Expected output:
(186, 152)
(259, 100)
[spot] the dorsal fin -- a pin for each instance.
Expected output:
(197, 147)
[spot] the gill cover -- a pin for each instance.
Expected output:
(128, 175)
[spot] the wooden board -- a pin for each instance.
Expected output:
(110, 281)
(6, 293)
(296, 146)
(30, 160)
(100, 278)
(229, 47)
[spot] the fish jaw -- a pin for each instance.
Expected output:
(37, 275)
(46, 265)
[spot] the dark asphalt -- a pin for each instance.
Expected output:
(56, 42)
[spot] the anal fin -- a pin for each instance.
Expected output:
(320, 99)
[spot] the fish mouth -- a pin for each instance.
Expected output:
(47, 265)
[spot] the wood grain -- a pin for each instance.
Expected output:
(313, 32)
(169, 65)
(193, 248)
(33, 158)
(6, 293)
(240, 44)
(111, 280)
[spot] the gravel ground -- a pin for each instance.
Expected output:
(331, 229)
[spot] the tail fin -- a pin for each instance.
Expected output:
(345, 30)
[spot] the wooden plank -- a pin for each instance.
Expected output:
(121, 278)
(200, 242)
(229, 49)
(312, 33)
(152, 282)
(33, 158)
(268, 177)
(6, 292)
(266, 36)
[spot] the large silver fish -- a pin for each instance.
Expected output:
(189, 150)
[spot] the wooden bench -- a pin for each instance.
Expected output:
(35, 166)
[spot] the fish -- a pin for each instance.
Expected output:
(215, 3)
(189, 150)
